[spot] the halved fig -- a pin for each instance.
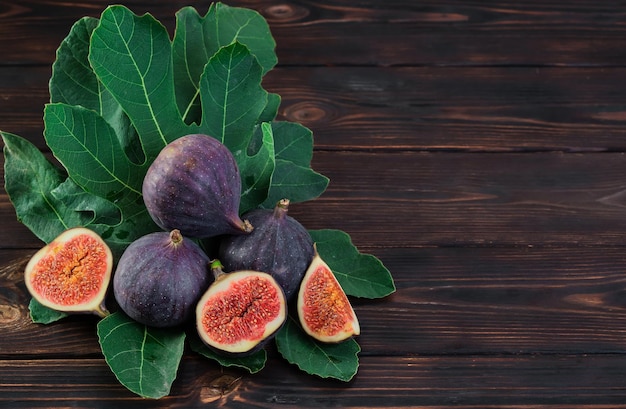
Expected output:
(324, 310)
(71, 273)
(240, 311)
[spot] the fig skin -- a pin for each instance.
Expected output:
(194, 186)
(235, 301)
(278, 245)
(71, 273)
(324, 311)
(160, 277)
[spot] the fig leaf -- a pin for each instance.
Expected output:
(360, 275)
(252, 363)
(293, 176)
(145, 360)
(256, 174)
(73, 82)
(132, 57)
(197, 38)
(41, 314)
(339, 361)
(31, 182)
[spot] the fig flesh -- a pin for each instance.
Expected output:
(240, 311)
(278, 245)
(160, 277)
(71, 273)
(194, 186)
(324, 310)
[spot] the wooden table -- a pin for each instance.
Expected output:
(477, 148)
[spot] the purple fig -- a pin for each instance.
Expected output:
(160, 277)
(194, 186)
(278, 245)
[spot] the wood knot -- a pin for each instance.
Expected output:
(307, 112)
(219, 387)
(284, 13)
(9, 314)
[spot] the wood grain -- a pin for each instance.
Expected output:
(459, 301)
(477, 148)
(433, 382)
(409, 199)
(486, 109)
(452, 32)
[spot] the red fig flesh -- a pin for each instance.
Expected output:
(240, 311)
(71, 273)
(323, 308)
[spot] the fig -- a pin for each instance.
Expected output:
(71, 273)
(160, 277)
(194, 186)
(241, 311)
(324, 310)
(278, 245)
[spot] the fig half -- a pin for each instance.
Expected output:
(324, 310)
(194, 186)
(240, 311)
(160, 277)
(71, 273)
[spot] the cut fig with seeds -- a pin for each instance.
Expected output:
(194, 186)
(160, 277)
(324, 310)
(278, 245)
(240, 311)
(71, 273)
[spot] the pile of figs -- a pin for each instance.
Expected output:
(265, 261)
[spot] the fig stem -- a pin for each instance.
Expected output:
(175, 236)
(217, 268)
(281, 208)
(101, 311)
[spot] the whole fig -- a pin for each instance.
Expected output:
(71, 273)
(194, 186)
(160, 277)
(278, 245)
(241, 311)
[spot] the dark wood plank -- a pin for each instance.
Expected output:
(452, 32)
(448, 301)
(409, 108)
(409, 199)
(435, 382)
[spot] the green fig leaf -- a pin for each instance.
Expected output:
(73, 82)
(360, 275)
(88, 148)
(256, 169)
(232, 103)
(30, 181)
(132, 57)
(40, 314)
(252, 363)
(232, 96)
(297, 183)
(293, 177)
(197, 38)
(338, 361)
(145, 360)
